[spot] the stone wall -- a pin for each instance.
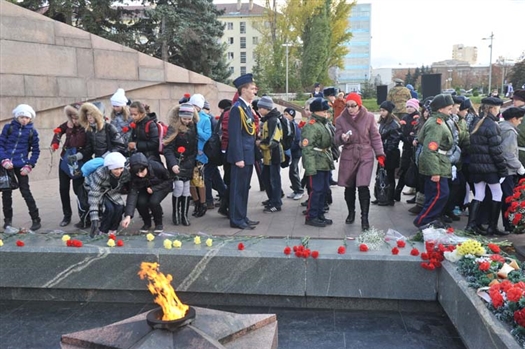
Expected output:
(49, 64)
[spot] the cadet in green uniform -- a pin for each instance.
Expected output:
(399, 95)
(434, 163)
(316, 141)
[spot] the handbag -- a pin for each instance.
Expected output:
(72, 170)
(7, 180)
(381, 186)
(412, 175)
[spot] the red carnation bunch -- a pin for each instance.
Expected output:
(494, 248)
(434, 255)
(181, 150)
(301, 251)
(73, 243)
(484, 266)
(515, 213)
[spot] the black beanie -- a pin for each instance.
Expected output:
(387, 105)
(513, 112)
(225, 104)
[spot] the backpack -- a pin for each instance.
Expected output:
(163, 130)
(212, 147)
(91, 166)
(382, 186)
(288, 133)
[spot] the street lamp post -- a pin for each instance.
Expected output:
(491, 38)
(287, 45)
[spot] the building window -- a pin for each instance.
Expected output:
(255, 40)
(243, 27)
(229, 25)
(230, 56)
(243, 42)
(230, 41)
(243, 70)
(243, 57)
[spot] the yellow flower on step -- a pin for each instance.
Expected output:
(111, 243)
(177, 243)
(66, 238)
(209, 242)
(1, 243)
(197, 240)
(167, 244)
(150, 237)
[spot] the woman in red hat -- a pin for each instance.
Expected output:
(356, 130)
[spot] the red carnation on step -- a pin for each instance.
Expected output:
(401, 243)
(112, 236)
(414, 252)
(287, 250)
(20, 243)
(395, 251)
(363, 248)
(315, 254)
(240, 246)
(341, 250)
(120, 243)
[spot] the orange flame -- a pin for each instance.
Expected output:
(160, 286)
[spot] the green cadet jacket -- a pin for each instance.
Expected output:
(316, 141)
(436, 139)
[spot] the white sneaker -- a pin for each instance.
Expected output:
(291, 195)
(410, 191)
(298, 196)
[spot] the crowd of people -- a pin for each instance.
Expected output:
(440, 146)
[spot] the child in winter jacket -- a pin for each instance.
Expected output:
(106, 204)
(120, 117)
(181, 152)
(75, 142)
(150, 184)
(19, 152)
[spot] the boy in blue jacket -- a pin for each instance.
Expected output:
(19, 152)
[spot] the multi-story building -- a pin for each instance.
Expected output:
(241, 34)
(357, 62)
(465, 53)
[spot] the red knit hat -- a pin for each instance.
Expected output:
(354, 97)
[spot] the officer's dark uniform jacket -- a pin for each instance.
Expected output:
(241, 134)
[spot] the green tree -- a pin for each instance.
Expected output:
(316, 45)
(517, 74)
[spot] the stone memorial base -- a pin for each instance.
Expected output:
(211, 329)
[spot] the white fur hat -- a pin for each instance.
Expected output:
(24, 110)
(119, 99)
(114, 160)
(197, 100)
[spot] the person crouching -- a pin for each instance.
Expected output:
(104, 186)
(150, 184)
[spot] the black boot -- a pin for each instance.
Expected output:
(65, 221)
(364, 201)
(350, 204)
(202, 210)
(397, 194)
(35, 218)
(472, 225)
(196, 208)
(175, 213)
(495, 211)
(184, 207)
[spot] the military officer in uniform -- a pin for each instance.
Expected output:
(316, 141)
(241, 151)
(434, 163)
(399, 95)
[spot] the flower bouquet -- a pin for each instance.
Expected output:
(515, 213)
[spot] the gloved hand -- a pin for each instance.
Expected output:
(73, 158)
(521, 171)
(7, 164)
(381, 160)
(26, 170)
(94, 228)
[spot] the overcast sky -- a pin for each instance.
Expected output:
(416, 32)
